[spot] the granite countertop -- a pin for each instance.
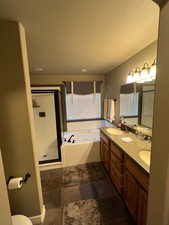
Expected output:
(132, 148)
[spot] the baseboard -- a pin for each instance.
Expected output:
(39, 218)
(50, 166)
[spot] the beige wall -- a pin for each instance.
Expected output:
(17, 138)
(57, 79)
(118, 76)
(5, 214)
(159, 179)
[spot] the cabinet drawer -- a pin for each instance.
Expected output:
(137, 172)
(116, 162)
(104, 138)
(117, 179)
(116, 151)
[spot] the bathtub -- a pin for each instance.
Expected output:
(81, 153)
(86, 146)
(87, 125)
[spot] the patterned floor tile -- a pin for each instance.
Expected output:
(51, 179)
(52, 198)
(113, 211)
(82, 195)
(104, 189)
(82, 212)
(82, 174)
(70, 194)
(87, 191)
(94, 212)
(53, 217)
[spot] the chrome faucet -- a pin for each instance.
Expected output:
(70, 139)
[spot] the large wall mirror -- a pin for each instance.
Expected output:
(137, 103)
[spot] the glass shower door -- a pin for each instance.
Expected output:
(44, 109)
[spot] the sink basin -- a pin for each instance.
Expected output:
(145, 156)
(114, 131)
(126, 139)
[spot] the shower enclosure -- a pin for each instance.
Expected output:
(48, 125)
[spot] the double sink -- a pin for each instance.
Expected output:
(145, 156)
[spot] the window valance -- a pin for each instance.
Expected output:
(83, 87)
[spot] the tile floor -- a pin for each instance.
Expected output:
(82, 195)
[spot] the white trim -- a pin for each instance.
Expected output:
(72, 90)
(50, 166)
(45, 88)
(94, 85)
(42, 94)
(43, 214)
(39, 218)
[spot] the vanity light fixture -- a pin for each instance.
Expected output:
(144, 74)
(153, 70)
(130, 78)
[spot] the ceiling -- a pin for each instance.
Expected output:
(64, 36)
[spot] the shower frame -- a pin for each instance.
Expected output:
(58, 114)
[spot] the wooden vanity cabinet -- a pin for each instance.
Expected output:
(128, 177)
(135, 191)
(105, 151)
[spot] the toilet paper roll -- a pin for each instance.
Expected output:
(15, 183)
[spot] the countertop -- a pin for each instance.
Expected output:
(132, 148)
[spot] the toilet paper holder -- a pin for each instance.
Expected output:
(27, 176)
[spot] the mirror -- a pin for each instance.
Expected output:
(129, 103)
(129, 107)
(136, 104)
(147, 105)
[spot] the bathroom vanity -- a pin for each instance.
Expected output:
(128, 168)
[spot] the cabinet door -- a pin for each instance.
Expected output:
(116, 171)
(106, 157)
(102, 150)
(116, 163)
(117, 179)
(130, 193)
(142, 207)
(105, 154)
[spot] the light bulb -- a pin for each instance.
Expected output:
(143, 74)
(130, 78)
(153, 70)
(136, 75)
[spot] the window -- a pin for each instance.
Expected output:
(129, 104)
(147, 108)
(83, 100)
